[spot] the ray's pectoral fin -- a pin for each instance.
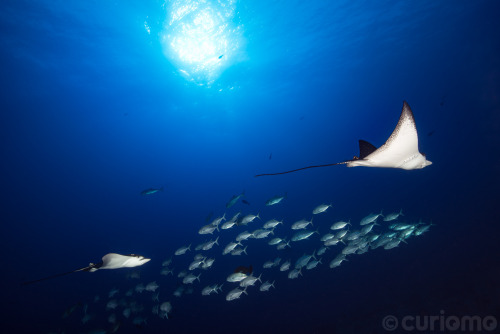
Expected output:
(365, 149)
(399, 151)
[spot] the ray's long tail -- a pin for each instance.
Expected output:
(58, 275)
(299, 169)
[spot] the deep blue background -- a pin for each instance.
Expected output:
(92, 112)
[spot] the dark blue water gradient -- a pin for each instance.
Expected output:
(92, 113)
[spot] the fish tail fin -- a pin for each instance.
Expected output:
(260, 277)
(272, 284)
(245, 290)
(216, 241)
(313, 255)
(198, 277)
(189, 247)
(311, 221)
(319, 261)
(245, 250)
(401, 212)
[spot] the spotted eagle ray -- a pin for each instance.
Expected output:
(109, 261)
(399, 151)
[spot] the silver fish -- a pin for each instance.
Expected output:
(250, 280)
(234, 199)
(272, 224)
(302, 235)
(275, 200)
(339, 225)
(235, 294)
(393, 216)
(189, 279)
(230, 247)
(266, 286)
(370, 218)
(301, 224)
(236, 277)
(321, 208)
(182, 250)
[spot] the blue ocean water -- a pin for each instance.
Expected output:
(101, 100)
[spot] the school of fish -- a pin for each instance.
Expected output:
(330, 241)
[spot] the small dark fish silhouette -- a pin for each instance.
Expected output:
(234, 199)
(221, 56)
(209, 216)
(244, 201)
(151, 191)
(430, 133)
(71, 309)
(245, 270)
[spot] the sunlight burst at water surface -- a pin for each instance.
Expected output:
(200, 38)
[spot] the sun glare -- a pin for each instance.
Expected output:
(200, 38)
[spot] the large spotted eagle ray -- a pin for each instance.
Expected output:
(399, 151)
